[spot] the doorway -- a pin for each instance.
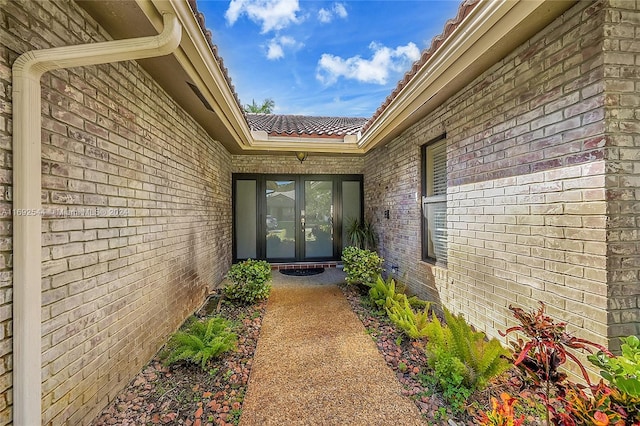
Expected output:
(285, 218)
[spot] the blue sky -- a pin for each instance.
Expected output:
(331, 58)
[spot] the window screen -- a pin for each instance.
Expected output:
(434, 201)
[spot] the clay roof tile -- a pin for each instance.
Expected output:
(305, 126)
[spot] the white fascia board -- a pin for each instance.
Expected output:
(264, 142)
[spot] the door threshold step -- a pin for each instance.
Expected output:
(306, 265)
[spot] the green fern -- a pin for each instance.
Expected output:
(201, 341)
(435, 332)
(378, 292)
(482, 359)
(385, 294)
(412, 323)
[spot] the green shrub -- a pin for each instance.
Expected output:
(199, 341)
(461, 356)
(249, 281)
(623, 374)
(361, 266)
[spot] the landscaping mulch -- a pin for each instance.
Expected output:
(184, 394)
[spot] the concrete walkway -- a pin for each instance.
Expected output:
(316, 365)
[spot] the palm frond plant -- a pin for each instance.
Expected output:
(200, 341)
(361, 234)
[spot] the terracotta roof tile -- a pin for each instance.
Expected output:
(465, 8)
(304, 126)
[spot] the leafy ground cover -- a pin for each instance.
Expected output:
(184, 394)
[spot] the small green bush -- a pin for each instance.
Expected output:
(361, 266)
(249, 281)
(200, 341)
(623, 374)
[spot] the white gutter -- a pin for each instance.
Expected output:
(27, 186)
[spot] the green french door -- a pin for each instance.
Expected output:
(284, 218)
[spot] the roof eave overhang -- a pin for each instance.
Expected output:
(264, 142)
(491, 31)
(195, 57)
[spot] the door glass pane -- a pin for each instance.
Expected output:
(350, 208)
(318, 218)
(245, 216)
(281, 219)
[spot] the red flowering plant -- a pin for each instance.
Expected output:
(542, 355)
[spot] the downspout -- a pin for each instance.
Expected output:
(27, 186)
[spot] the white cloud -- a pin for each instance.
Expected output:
(340, 10)
(272, 15)
(375, 70)
(337, 9)
(277, 45)
(325, 16)
(274, 51)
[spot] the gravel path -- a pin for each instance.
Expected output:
(316, 365)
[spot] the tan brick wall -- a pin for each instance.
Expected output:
(6, 230)
(622, 87)
(289, 164)
(392, 182)
(539, 236)
(119, 279)
(526, 201)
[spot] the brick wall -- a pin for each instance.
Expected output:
(392, 182)
(6, 231)
(148, 228)
(526, 174)
(622, 99)
(289, 164)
